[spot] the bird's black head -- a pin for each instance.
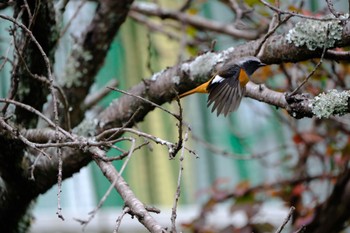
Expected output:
(250, 64)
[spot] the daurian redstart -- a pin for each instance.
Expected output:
(227, 87)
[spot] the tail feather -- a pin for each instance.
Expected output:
(200, 89)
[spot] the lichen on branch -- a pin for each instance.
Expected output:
(332, 102)
(316, 34)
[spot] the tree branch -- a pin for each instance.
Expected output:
(89, 54)
(163, 87)
(336, 206)
(152, 9)
(136, 207)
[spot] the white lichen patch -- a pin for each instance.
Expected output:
(157, 75)
(75, 69)
(176, 79)
(201, 66)
(72, 75)
(225, 54)
(86, 128)
(333, 102)
(147, 6)
(315, 34)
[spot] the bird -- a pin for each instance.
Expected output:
(227, 86)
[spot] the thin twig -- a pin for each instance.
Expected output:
(125, 154)
(38, 113)
(313, 71)
(30, 16)
(93, 98)
(196, 21)
(18, 135)
(32, 167)
(59, 184)
(126, 124)
(296, 14)
(250, 156)
(239, 13)
(180, 125)
(301, 229)
(6, 56)
(79, 144)
(146, 100)
(46, 60)
(178, 188)
(332, 9)
(267, 35)
(286, 220)
(158, 27)
(126, 210)
(15, 78)
(47, 82)
(186, 5)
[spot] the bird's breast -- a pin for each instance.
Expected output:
(243, 78)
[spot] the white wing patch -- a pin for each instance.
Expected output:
(217, 79)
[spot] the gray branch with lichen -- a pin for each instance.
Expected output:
(332, 102)
(316, 34)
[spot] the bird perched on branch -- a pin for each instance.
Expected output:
(227, 87)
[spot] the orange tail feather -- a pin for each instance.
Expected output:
(200, 89)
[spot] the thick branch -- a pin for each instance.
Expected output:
(42, 24)
(88, 55)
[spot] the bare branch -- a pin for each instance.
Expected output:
(38, 113)
(111, 187)
(331, 8)
(178, 188)
(136, 207)
(152, 9)
(338, 55)
(279, 11)
(126, 210)
(157, 27)
(43, 54)
(290, 214)
(94, 98)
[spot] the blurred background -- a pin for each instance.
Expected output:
(256, 145)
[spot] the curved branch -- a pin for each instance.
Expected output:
(152, 9)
